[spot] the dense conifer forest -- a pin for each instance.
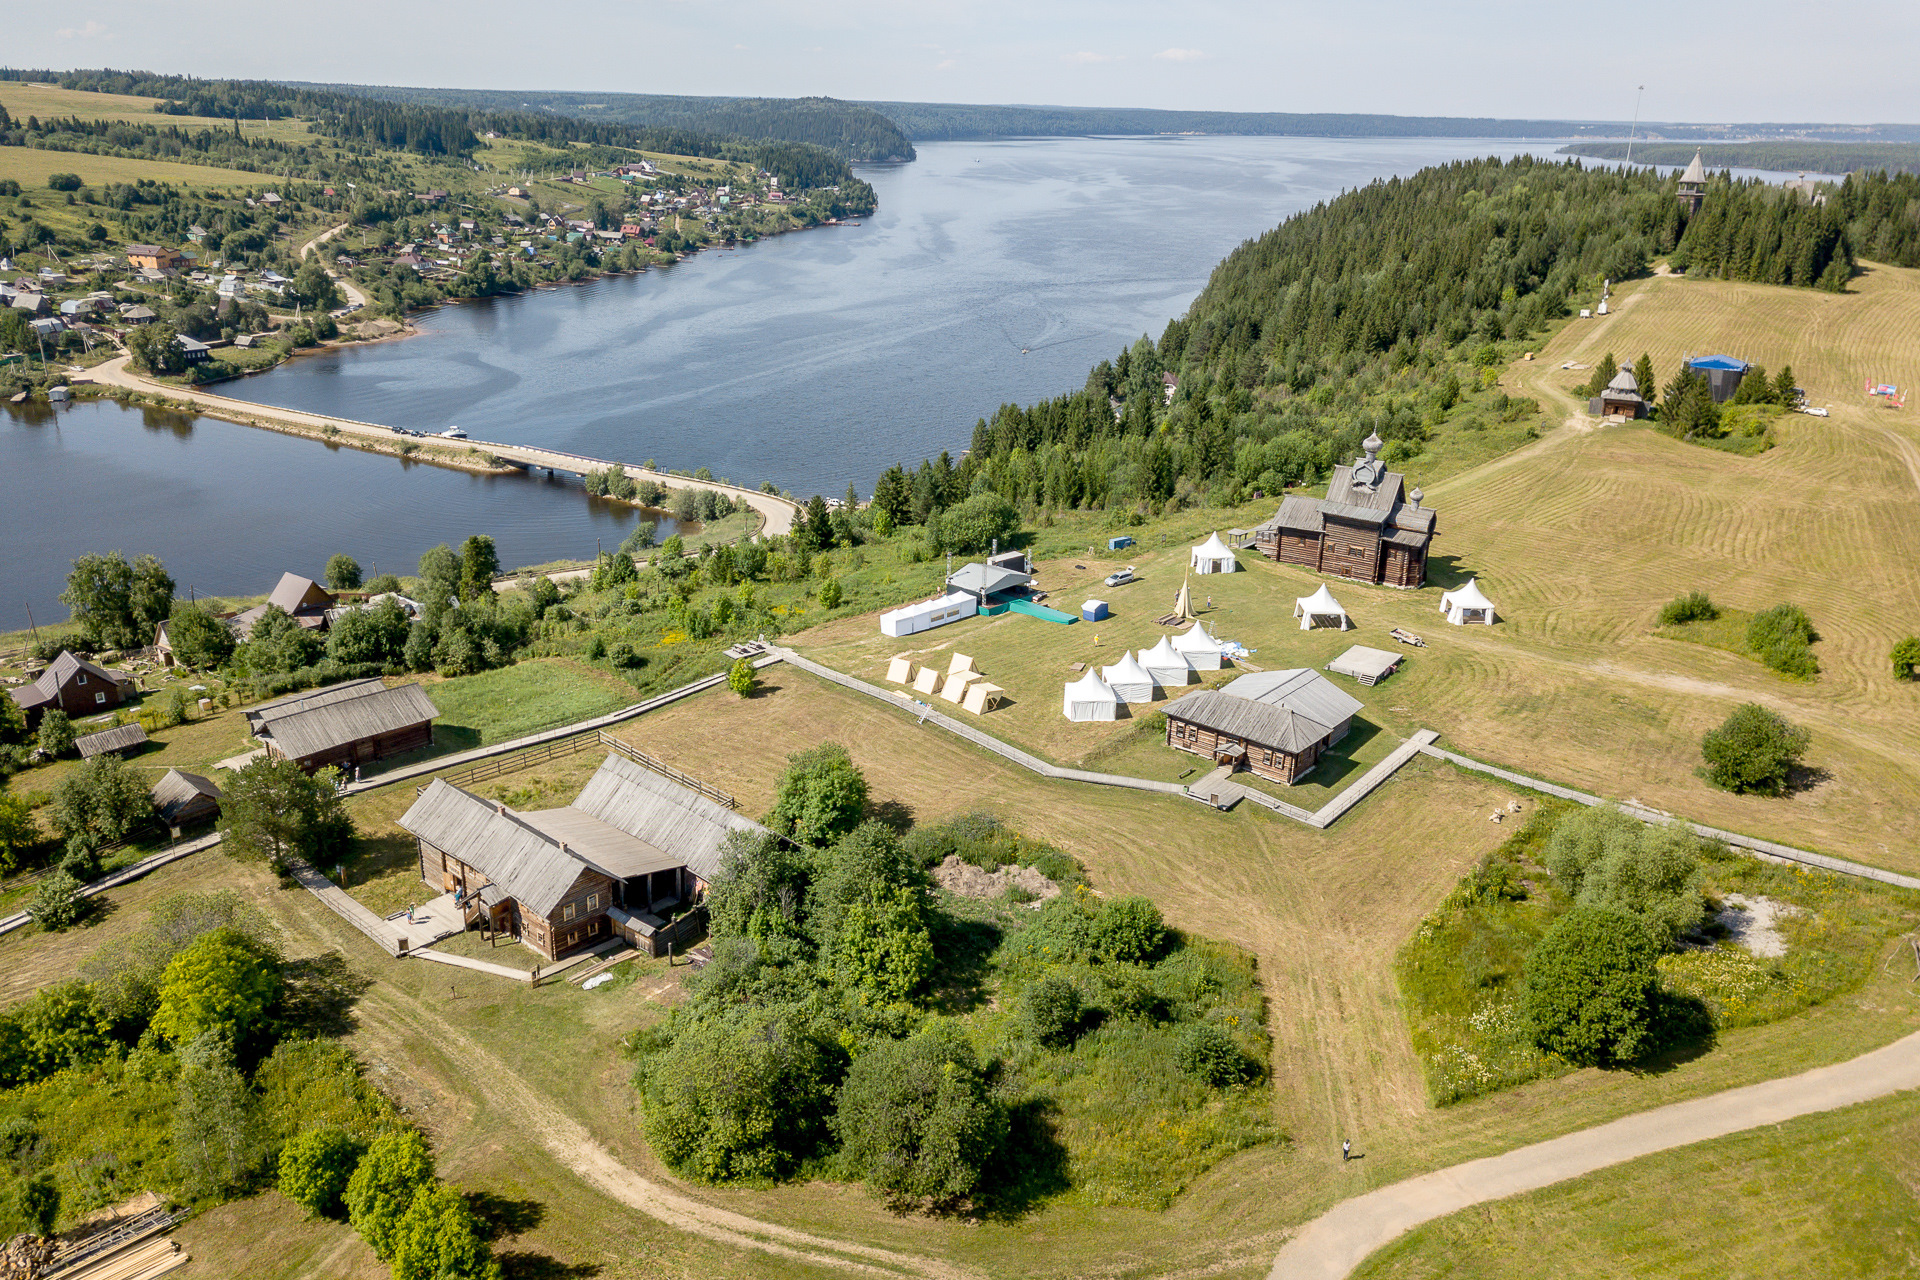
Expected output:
(1783, 157)
(1378, 311)
(850, 130)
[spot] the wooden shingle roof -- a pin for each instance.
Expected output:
(1302, 688)
(177, 792)
(59, 673)
(308, 733)
(663, 813)
(1278, 727)
(525, 862)
(308, 699)
(119, 738)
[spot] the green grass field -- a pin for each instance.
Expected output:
(30, 167)
(1823, 1196)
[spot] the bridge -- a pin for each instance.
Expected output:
(776, 512)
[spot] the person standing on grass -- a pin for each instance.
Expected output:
(1346, 1150)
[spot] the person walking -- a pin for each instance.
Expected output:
(1346, 1150)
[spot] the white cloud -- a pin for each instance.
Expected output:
(1084, 58)
(1180, 55)
(946, 64)
(92, 30)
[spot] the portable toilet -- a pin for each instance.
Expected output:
(1120, 543)
(1093, 610)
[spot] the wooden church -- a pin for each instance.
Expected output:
(1366, 528)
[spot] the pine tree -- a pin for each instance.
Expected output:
(1643, 375)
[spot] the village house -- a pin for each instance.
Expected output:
(303, 599)
(1274, 724)
(633, 843)
(117, 741)
(153, 257)
(1364, 528)
(75, 686)
(183, 799)
(344, 725)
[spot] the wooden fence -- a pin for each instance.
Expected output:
(499, 766)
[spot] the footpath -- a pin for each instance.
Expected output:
(1332, 1245)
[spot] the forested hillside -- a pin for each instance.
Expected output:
(1782, 157)
(1375, 312)
(851, 130)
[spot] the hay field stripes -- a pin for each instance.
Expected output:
(31, 166)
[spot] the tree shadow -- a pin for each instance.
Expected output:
(319, 995)
(1447, 572)
(896, 815)
(500, 1216)
(1031, 1167)
(1802, 778)
(965, 950)
(541, 1266)
(1681, 1030)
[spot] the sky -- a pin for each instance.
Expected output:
(1699, 60)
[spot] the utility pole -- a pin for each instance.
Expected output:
(1635, 126)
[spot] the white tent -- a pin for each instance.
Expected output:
(1213, 556)
(1089, 698)
(955, 689)
(929, 614)
(928, 681)
(1467, 604)
(1167, 665)
(1129, 680)
(982, 697)
(1201, 650)
(1321, 610)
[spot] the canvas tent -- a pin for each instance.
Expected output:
(927, 614)
(982, 697)
(899, 671)
(956, 687)
(1467, 604)
(1167, 665)
(1213, 556)
(1183, 604)
(1202, 651)
(960, 662)
(1129, 681)
(1321, 610)
(928, 681)
(1089, 698)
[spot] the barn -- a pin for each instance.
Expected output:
(1363, 529)
(182, 799)
(346, 725)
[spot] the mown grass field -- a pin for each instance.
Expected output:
(1823, 1196)
(30, 167)
(23, 99)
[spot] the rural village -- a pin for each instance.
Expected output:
(975, 877)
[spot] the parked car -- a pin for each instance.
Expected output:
(1123, 576)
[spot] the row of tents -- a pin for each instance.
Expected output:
(1461, 605)
(1170, 664)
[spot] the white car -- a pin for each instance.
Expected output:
(454, 433)
(1123, 576)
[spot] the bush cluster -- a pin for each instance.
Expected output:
(1781, 637)
(1692, 607)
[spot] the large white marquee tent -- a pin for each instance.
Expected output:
(1128, 679)
(1202, 651)
(1213, 556)
(1089, 698)
(1467, 604)
(1167, 665)
(1321, 610)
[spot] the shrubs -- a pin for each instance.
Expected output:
(383, 1184)
(741, 677)
(315, 1167)
(57, 903)
(1210, 1055)
(821, 796)
(56, 732)
(1589, 992)
(1050, 1012)
(1780, 637)
(1603, 858)
(1692, 607)
(1755, 750)
(1906, 659)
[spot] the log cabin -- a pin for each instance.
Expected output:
(1363, 529)
(1274, 724)
(565, 880)
(345, 725)
(75, 686)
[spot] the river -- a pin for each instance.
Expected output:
(993, 272)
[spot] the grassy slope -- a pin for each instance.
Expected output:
(1824, 1196)
(29, 166)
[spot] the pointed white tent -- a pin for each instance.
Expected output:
(1167, 665)
(1183, 603)
(1201, 650)
(1321, 610)
(1467, 604)
(1130, 681)
(1089, 698)
(1213, 556)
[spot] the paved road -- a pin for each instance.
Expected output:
(776, 512)
(1336, 1242)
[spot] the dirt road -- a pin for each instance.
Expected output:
(347, 286)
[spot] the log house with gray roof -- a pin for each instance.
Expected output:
(1275, 724)
(1364, 529)
(565, 880)
(347, 725)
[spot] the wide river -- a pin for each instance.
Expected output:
(993, 272)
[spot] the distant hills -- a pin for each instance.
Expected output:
(851, 130)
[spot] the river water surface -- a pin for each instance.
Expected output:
(993, 272)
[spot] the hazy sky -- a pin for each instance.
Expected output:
(1702, 60)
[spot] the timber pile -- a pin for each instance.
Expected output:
(133, 1248)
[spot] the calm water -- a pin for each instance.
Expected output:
(813, 360)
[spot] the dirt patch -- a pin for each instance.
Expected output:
(1753, 922)
(969, 881)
